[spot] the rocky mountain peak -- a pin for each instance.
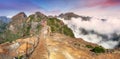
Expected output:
(16, 22)
(20, 15)
(18, 18)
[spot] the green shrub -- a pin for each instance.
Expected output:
(34, 19)
(67, 31)
(98, 49)
(19, 57)
(89, 46)
(39, 27)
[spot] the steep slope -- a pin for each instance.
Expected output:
(57, 26)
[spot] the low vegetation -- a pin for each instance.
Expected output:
(89, 46)
(33, 18)
(7, 36)
(98, 49)
(59, 27)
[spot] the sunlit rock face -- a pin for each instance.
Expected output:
(105, 32)
(20, 47)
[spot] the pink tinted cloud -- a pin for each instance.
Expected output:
(112, 3)
(102, 3)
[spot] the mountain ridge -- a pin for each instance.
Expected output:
(41, 37)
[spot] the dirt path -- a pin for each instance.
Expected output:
(40, 51)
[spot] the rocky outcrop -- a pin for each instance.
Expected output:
(19, 18)
(20, 47)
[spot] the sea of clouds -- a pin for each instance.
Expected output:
(105, 33)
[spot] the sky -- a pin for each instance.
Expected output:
(54, 7)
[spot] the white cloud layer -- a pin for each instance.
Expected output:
(112, 25)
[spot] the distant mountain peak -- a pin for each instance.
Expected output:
(68, 15)
(4, 19)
